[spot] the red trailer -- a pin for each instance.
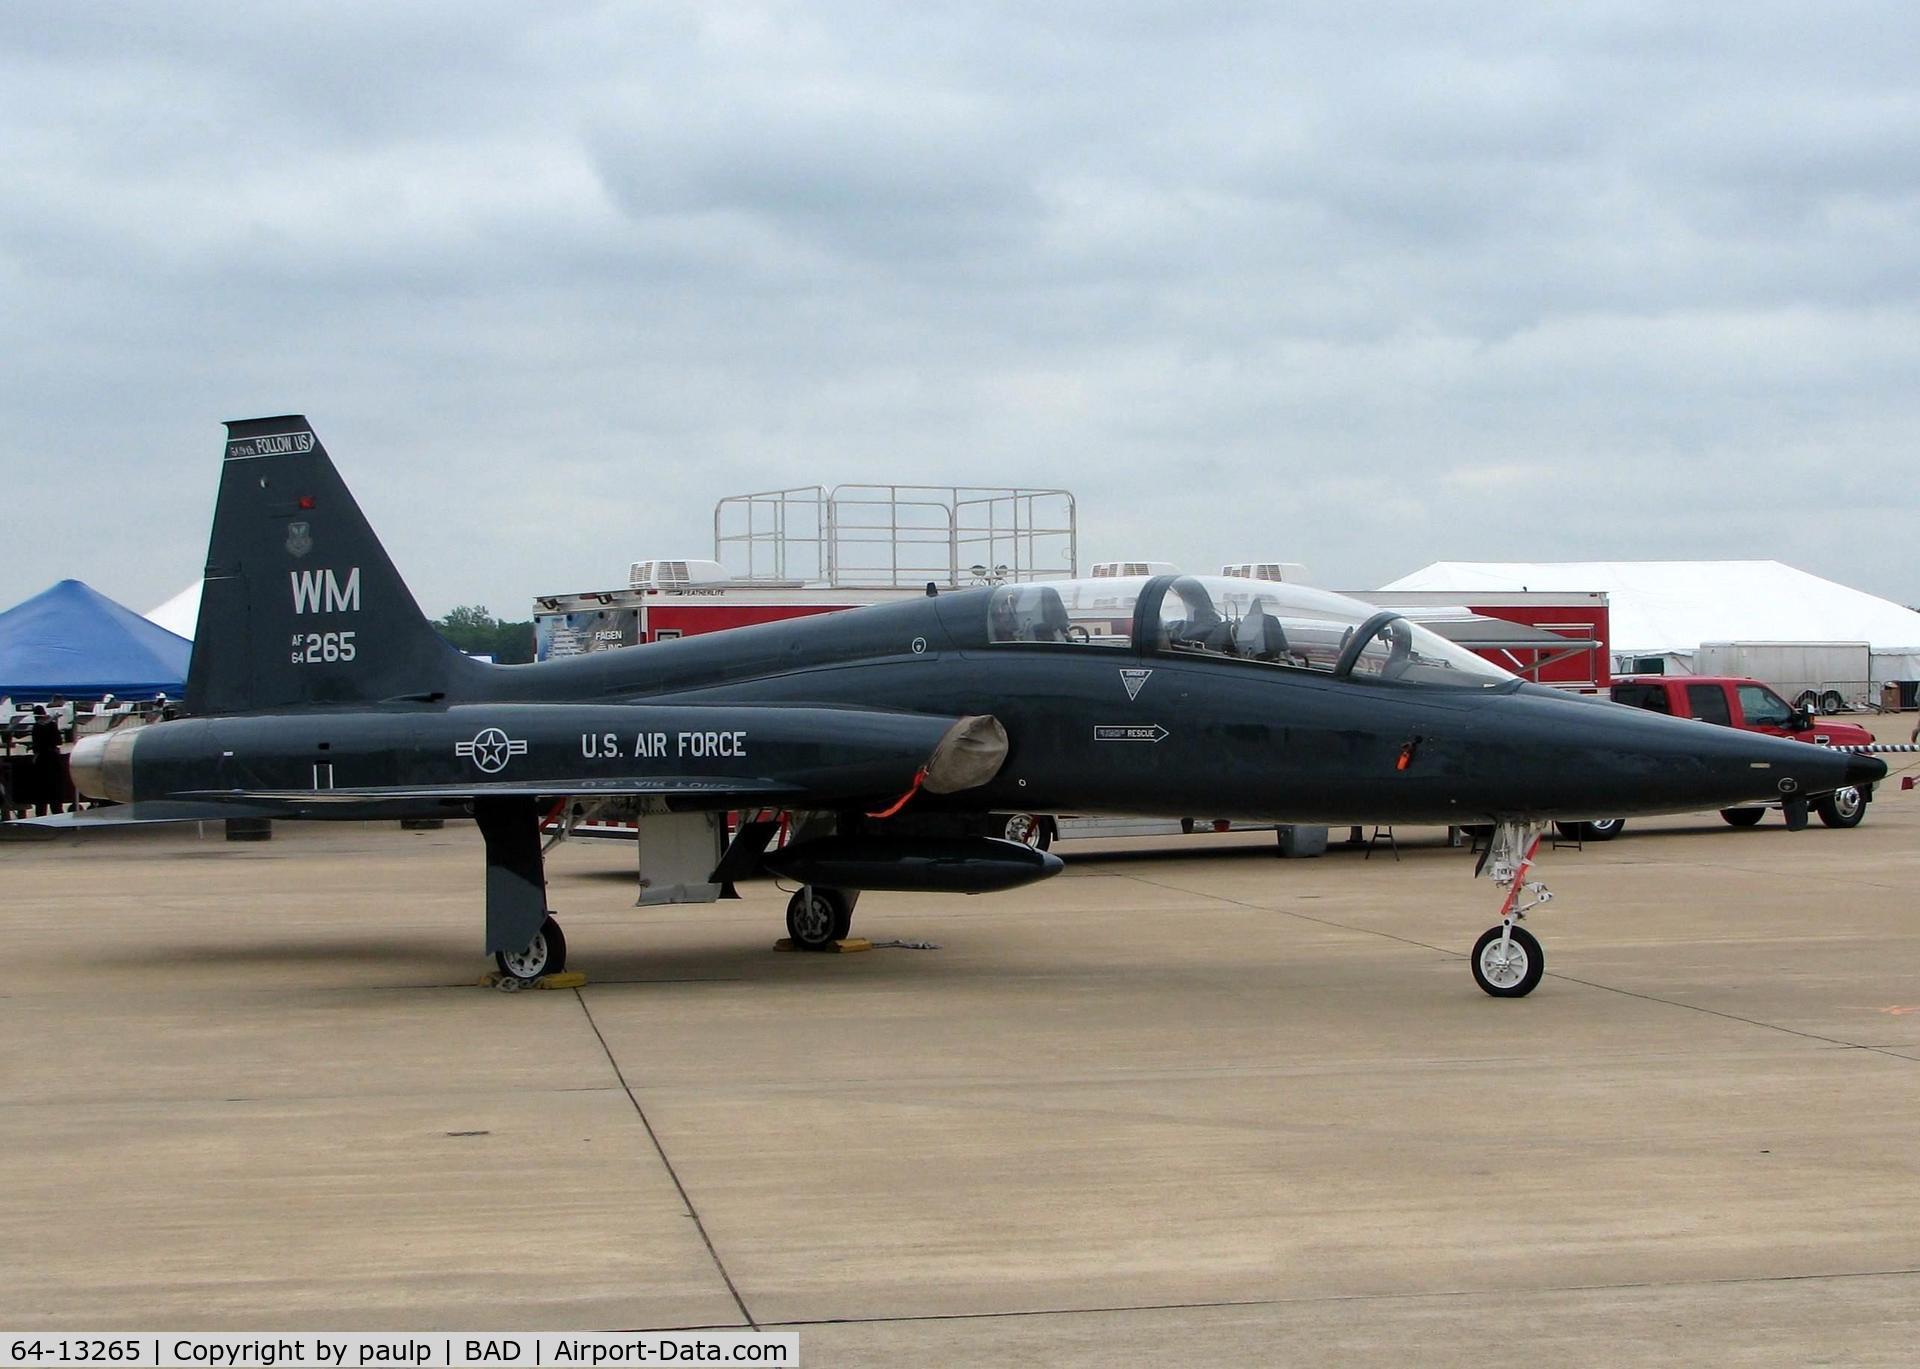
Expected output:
(600, 620)
(1555, 637)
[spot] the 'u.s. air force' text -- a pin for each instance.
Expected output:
(654, 746)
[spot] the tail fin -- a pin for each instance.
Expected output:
(300, 603)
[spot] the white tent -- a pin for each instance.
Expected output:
(1668, 608)
(180, 614)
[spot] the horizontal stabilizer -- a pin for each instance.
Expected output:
(147, 814)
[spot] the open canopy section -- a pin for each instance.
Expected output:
(1259, 621)
(74, 641)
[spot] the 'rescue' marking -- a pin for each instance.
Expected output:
(1118, 732)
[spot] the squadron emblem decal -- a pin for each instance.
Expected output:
(1133, 679)
(299, 539)
(491, 749)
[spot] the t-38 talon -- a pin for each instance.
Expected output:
(885, 742)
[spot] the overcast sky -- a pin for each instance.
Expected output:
(1361, 286)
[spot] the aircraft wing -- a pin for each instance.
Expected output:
(386, 801)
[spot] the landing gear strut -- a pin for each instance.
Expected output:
(522, 937)
(1507, 961)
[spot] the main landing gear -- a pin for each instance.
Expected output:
(818, 916)
(522, 937)
(545, 954)
(1507, 961)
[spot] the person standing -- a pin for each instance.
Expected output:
(49, 766)
(9, 774)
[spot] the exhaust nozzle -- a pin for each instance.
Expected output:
(102, 765)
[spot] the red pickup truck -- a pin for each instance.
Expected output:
(1744, 704)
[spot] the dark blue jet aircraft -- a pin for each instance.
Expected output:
(889, 737)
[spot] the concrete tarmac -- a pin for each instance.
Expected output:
(1186, 1102)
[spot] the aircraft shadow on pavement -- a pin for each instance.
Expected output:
(280, 948)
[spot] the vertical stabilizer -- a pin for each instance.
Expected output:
(300, 604)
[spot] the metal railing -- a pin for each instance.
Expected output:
(860, 536)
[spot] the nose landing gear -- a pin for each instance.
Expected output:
(1507, 961)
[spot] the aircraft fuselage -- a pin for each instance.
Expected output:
(1091, 730)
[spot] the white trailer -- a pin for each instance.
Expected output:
(1822, 677)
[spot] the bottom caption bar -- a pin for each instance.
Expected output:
(425, 1350)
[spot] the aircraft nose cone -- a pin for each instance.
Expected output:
(1865, 770)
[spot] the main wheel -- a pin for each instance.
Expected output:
(545, 954)
(1831, 702)
(1842, 808)
(1571, 831)
(817, 917)
(1515, 974)
(1743, 817)
(1029, 829)
(1605, 829)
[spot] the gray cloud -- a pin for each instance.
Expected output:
(1362, 287)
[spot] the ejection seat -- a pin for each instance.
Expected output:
(1205, 630)
(1051, 623)
(1259, 636)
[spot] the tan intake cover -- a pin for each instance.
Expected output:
(969, 755)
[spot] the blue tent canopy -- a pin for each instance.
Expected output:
(75, 641)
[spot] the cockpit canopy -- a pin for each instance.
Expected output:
(1263, 621)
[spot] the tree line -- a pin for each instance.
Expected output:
(477, 632)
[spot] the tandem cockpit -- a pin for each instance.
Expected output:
(1263, 622)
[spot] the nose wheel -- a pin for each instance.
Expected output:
(1507, 961)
